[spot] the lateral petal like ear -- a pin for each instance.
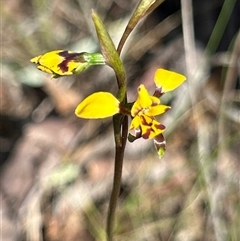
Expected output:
(98, 105)
(168, 80)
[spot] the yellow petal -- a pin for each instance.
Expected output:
(168, 80)
(135, 123)
(45, 69)
(35, 59)
(49, 58)
(157, 110)
(150, 127)
(144, 101)
(98, 105)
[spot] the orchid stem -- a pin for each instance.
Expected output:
(120, 140)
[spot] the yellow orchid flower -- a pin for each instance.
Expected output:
(63, 62)
(143, 112)
(144, 123)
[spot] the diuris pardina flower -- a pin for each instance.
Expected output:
(142, 112)
(63, 62)
(146, 107)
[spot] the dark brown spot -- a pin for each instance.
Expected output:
(64, 65)
(158, 92)
(147, 134)
(69, 57)
(159, 126)
(160, 142)
(144, 121)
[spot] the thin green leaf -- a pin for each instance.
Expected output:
(111, 55)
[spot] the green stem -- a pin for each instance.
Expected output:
(94, 58)
(120, 140)
(120, 122)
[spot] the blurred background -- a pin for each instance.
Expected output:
(57, 169)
